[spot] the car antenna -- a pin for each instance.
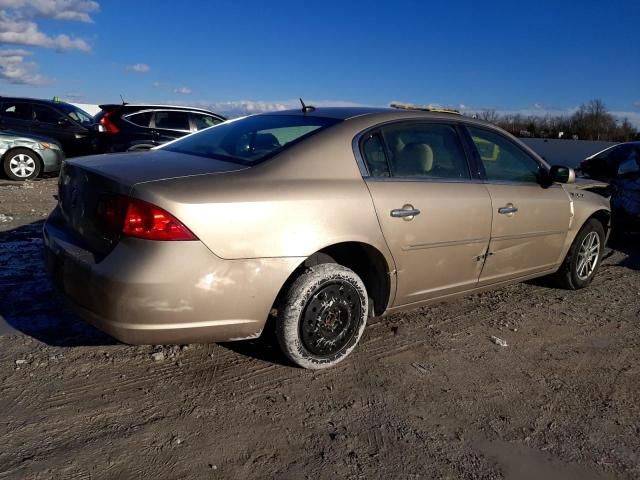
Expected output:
(307, 108)
(122, 98)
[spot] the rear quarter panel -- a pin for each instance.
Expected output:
(293, 205)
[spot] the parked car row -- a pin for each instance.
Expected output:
(140, 127)
(116, 128)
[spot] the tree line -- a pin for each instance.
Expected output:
(591, 121)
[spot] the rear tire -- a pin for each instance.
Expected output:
(21, 164)
(584, 257)
(322, 316)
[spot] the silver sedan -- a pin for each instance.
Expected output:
(25, 156)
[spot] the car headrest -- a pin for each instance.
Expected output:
(416, 158)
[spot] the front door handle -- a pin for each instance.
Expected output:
(407, 212)
(508, 209)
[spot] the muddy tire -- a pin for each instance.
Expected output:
(21, 164)
(584, 257)
(322, 316)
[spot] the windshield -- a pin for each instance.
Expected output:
(251, 139)
(76, 114)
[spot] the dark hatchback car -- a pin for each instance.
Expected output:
(126, 127)
(619, 166)
(71, 126)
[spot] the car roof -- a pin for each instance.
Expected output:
(379, 114)
(41, 101)
(339, 113)
(111, 106)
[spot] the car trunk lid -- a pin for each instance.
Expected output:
(87, 185)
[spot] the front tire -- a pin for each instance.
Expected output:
(322, 316)
(21, 164)
(584, 257)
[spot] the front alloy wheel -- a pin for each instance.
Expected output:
(322, 316)
(583, 259)
(588, 255)
(21, 164)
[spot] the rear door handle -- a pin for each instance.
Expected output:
(407, 212)
(508, 209)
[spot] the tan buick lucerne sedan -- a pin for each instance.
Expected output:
(320, 218)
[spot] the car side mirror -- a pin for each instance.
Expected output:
(560, 174)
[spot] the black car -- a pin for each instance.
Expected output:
(71, 126)
(126, 127)
(619, 166)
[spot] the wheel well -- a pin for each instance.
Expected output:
(604, 217)
(366, 261)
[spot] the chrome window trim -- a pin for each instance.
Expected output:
(364, 169)
(522, 184)
(423, 180)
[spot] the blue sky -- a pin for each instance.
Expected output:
(533, 57)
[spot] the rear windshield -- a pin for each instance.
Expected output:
(252, 139)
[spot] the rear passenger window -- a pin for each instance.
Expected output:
(425, 150)
(374, 156)
(172, 120)
(141, 119)
(17, 111)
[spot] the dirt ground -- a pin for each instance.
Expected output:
(426, 394)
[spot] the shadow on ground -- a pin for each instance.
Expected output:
(29, 303)
(265, 348)
(629, 244)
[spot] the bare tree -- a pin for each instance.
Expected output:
(490, 116)
(591, 121)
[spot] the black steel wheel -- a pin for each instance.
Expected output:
(330, 318)
(322, 316)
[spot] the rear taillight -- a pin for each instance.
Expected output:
(140, 219)
(106, 124)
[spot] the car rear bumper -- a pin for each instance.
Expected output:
(147, 292)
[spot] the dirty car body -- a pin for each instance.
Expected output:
(320, 217)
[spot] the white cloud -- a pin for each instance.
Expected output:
(26, 32)
(75, 10)
(14, 68)
(183, 90)
(238, 108)
(17, 27)
(139, 68)
(156, 84)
